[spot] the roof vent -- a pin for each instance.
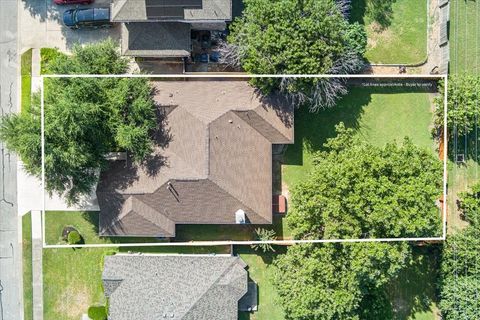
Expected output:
(230, 121)
(240, 217)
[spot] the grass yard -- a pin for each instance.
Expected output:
(87, 224)
(461, 177)
(396, 30)
(378, 115)
(413, 294)
(27, 266)
(26, 73)
(464, 36)
(260, 273)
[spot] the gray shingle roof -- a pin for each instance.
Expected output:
(156, 39)
(218, 160)
(186, 287)
(136, 11)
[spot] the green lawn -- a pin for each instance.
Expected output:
(379, 115)
(26, 72)
(413, 294)
(464, 34)
(461, 177)
(259, 272)
(398, 34)
(27, 266)
(87, 224)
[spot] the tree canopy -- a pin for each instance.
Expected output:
(85, 118)
(463, 105)
(298, 37)
(338, 281)
(357, 190)
(460, 275)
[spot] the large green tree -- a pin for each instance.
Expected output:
(298, 37)
(338, 281)
(463, 112)
(469, 204)
(85, 118)
(357, 190)
(460, 275)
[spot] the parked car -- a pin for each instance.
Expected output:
(87, 18)
(72, 1)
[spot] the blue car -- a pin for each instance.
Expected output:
(87, 18)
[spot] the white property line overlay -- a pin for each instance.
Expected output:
(240, 242)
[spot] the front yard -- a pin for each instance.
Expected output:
(87, 225)
(378, 115)
(396, 30)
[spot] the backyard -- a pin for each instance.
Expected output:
(464, 34)
(413, 293)
(464, 58)
(378, 114)
(396, 30)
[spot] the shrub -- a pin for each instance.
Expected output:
(97, 313)
(264, 235)
(74, 237)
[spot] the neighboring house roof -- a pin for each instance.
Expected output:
(177, 287)
(171, 10)
(215, 159)
(156, 39)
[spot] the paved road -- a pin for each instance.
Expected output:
(10, 255)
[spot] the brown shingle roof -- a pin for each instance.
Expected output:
(218, 159)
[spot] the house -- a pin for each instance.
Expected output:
(211, 165)
(153, 287)
(168, 29)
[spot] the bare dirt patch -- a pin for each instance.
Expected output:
(378, 34)
(73, 302)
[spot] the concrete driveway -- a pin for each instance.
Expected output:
(41, 26)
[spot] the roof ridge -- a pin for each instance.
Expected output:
(227, 269)
(132, 197)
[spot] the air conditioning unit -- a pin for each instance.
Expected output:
(240, 217)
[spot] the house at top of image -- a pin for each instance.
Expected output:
(153, 287)
(171, 29)
(212, 163)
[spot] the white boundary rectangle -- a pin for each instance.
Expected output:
(235, 242)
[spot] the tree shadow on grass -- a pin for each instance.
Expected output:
(379, 11)
(414, 290)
